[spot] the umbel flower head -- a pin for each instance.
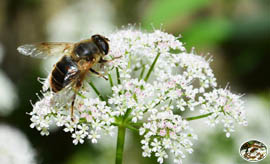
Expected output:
(153, 81)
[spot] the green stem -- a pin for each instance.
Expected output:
(129, 110)
(79, 94)
(118, 76)
(120, 144)
(96, 90)
(151, 68)
(131, 127)
(110, 79)
(142, 72)
(198, 117)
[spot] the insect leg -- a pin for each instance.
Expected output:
(97, 73)
(106, 61)
(72, 106)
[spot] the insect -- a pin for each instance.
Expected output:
(77, 59)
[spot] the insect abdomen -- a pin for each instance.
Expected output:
(63, 73)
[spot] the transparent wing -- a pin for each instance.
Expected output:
(46, 49)
(64, 96)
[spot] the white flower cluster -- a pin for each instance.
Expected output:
(138, 50)
(153, 79)
(91, 117)
(132, 95)
(225, 107)
(166, 131)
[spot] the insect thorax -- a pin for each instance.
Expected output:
(86, 50)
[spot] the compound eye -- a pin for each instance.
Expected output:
(104, 46)
(101, 43)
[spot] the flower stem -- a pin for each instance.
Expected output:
(131, 128)
(78, 93)
(120, 144)
(118, 76)
(96, 91)
(142, 72)
(110, 79)
(198, 117)
(151, 68)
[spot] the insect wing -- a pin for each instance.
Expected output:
(46, 49)
(64, 96)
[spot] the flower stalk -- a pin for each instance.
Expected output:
(198, 117)
(152, 67)
(110, 79)
(120, 144)
(118, 76)
(96, 91)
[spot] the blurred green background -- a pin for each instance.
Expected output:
(235, 32)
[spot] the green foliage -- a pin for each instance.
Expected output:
(204, 32)
(207, 32)
(165, 11)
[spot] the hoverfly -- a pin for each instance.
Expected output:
(77, 59)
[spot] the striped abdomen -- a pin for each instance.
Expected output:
(63, 73)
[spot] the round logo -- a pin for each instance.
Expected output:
(253, 151)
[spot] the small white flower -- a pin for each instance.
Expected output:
(161, 155)
(83, 129)
(156, 145)
(78, 137)
(60, 120)
(69, 126)
(93, 136)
